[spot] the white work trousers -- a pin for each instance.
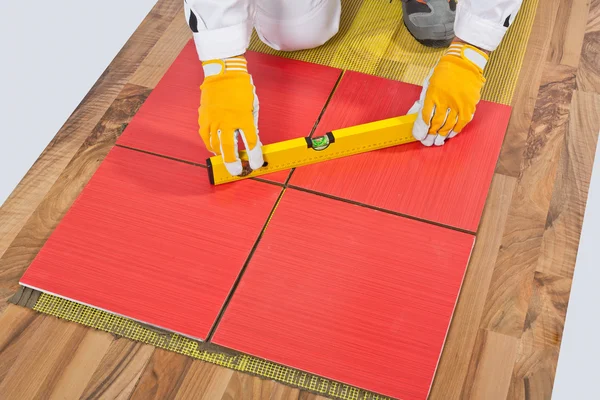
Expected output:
(222, 28)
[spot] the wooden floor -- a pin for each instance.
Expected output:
(506, 333)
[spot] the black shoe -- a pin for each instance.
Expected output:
(430, 22)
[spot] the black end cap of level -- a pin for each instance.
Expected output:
(211, 176)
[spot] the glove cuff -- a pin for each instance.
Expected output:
(222, 66)
(469, 53)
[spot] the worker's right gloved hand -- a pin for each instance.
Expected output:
(229, 111)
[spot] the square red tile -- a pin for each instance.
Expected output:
(292, 95)
(447, 185)
(349, 293)
(150, 239)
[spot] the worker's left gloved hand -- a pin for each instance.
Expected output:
(229, 111)
(450, 94)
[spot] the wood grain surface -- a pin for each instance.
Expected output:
(351, 277)
(456, 356)
(119, 371)
(163, 376)
(511, 285)
(565, 215)
(527, 89)
(140, 239)
(491, 366)
(67, 186)
(291, 93)
(39, 179)
(588, 75)
(514, 226)
(446, 185)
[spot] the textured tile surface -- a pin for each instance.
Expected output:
(446, 185)
(338, 290)
(151, 239)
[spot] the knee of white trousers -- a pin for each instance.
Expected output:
(302, 32)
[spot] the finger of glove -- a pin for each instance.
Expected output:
(423, 121)
(229, 151)
(447, 131)
(253, 147)
(205, 135)
(444, 131)
(440, 116)
(462, 122)
(449, 123)
(215, 144)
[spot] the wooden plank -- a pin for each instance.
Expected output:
(162, 376)
(568, 33)
(24, 200)
(491, 367)
(204, 381)
(569, 198)
(66, 188)
(291, 93)
(15, 325)
(244, 386)
(48, 349)
(351, 276)
(73, 377)
(533, 375)
(119, 371)
(411, 179)
(588, 76)
(454, 364)
(526, 93)
(510, 289)
(547, 310)
(138, 242)
(162, 55)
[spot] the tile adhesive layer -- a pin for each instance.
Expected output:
(349, 293)
(149, 238)
(292, 95)
(446, 185)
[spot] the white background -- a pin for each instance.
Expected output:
(53, 52)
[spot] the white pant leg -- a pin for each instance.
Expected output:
(483, 23)
(291, 25)
(221, 28)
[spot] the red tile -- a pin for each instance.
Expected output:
(447, 184)
(349, 293)
(291, 93)
(151, 239)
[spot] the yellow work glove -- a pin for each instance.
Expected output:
(450, 94)
(228, 111)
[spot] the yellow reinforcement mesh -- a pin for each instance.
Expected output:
(127, 328)
(372, 39)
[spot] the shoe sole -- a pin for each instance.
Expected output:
(434, 43)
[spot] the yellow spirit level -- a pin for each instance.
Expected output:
(304, 151)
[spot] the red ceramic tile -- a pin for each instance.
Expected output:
(291, 93)
(149, 238)
(349, 293)
(447, 184)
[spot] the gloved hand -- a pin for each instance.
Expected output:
(450, 94)
(228, 111)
